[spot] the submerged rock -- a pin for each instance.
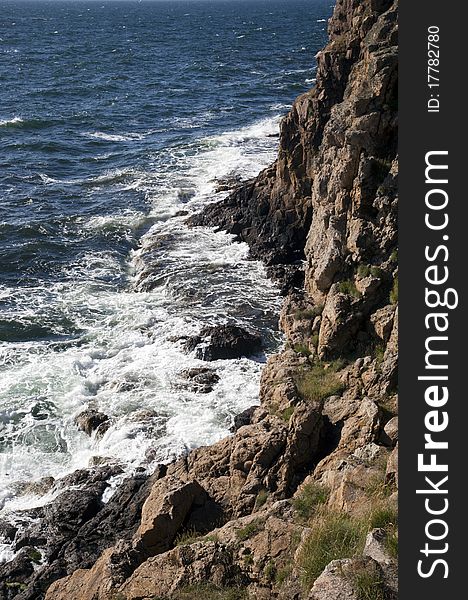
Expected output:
(7, 531)
(199, 379)
(35, 488)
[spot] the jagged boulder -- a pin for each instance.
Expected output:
(382, 321)
(244, 418)
(199, 379)
(91, 420)
(340, 579)
(222, 342)
(164, 512)
(186, 565)
(391, 430)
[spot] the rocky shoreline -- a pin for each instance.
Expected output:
(301, 501)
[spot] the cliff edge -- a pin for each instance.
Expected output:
(300, 502)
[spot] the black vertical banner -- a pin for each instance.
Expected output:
(433, 273)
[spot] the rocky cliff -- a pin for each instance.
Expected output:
(300, 502)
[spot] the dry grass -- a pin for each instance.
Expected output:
(249, 530)
(369, 586)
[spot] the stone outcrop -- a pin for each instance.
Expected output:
(242, 517)
(222, 342)
(75, 529)
(91, 421)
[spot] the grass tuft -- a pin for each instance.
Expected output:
(334, 536)
(302, 349)
(308, 314)
(318, 382)
(35, 555)
(287, 413)
(349, 287)
(391, 542)
(369, 586)
(209, 592)
(310, 497)
(283, 573)
(367, 270)
(394, 292)
(185, 538)
(383, 517)
(379, 352)
(248, 531)
(270, 571)
(262, 497)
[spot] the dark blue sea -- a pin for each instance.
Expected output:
(117, 120)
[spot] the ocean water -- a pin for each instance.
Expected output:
(117, 119)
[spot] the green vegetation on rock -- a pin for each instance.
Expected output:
(367, 270)
(334, 536)
(309, 498)
(349, 288)
(309, 313)
(302, 349)
(369, 585)
(319, 382)
(394, 292)
(262, 497)
(249, 530)
(209, 592)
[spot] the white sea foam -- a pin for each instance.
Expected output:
(114, 176)
(112, 137)
(13, 121)
(128, 361)
(127, 218)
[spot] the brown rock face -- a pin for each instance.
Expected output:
(338, 581)
(92, 420)
(237, 515)
(164, 512)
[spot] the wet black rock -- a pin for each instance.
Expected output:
(228, 183)
(199, 379)
(223, 342)
(86, 477)
(243, 418)
(7, 531)
(74, 530)
(15, 574)
(63, 518)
